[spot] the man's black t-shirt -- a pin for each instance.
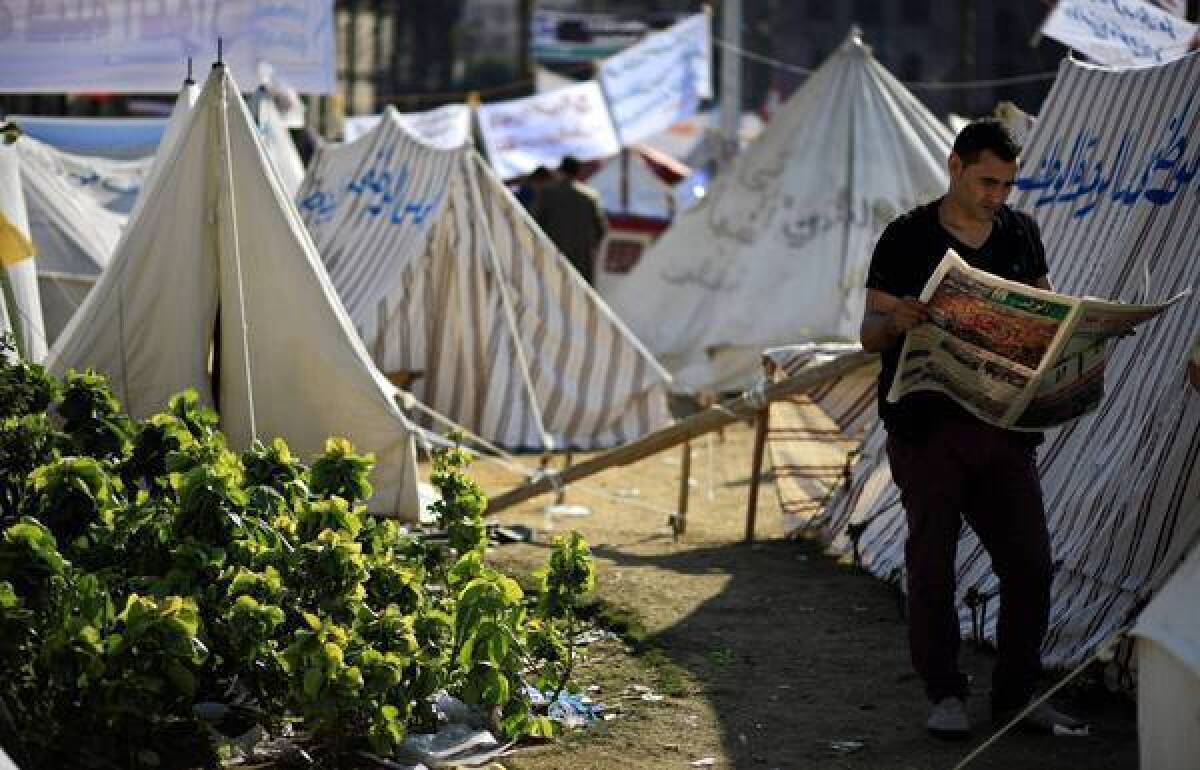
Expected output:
(906, 255)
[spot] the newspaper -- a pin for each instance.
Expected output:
(1013, 355)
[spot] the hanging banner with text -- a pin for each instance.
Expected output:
(660, 81)
(142, 46)
(1120, 33)
(540, 130)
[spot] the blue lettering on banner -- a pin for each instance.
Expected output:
(378, 190)
(1078, 179)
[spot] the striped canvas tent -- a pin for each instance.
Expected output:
(814, 436)
(1110, 174)
(459, 294)
(217, 259)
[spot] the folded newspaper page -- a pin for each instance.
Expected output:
(1013, 355)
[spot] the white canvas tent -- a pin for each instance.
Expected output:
(449, 281)
(20, 301)
(1168, 671)
(77, 207)
(778, 250)
(217, 258)
(1121, 485)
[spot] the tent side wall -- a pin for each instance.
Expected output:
(455, 289)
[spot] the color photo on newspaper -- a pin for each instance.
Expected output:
(1013, 355)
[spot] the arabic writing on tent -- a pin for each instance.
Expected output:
(378, 190)
(1084, 172)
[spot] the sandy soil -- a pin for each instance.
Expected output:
(768, 655)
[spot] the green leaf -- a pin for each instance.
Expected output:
(314, 679)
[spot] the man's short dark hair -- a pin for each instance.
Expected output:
(986, 134)
(570, 166)
(541, 174)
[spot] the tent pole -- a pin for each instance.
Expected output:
(227, 181)
(717, 416)
(679, 521)
(756, 462)
(509, 315)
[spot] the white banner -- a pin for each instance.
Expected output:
(445, 128)
(541, 130)
(134, 46)
(1122, 33)
(660, 81)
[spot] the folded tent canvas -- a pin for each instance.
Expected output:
(455, 288)
(218, 233)
(777, 251)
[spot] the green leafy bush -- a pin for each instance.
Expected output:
(147, 573)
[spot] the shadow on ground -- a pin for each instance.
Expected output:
(804, 661)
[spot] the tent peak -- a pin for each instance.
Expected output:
(854, 42)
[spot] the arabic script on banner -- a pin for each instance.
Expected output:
(660, 81)
(541, 130)
(1123, 33)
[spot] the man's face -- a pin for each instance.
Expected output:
(982, 187)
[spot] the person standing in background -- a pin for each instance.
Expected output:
(569, 212)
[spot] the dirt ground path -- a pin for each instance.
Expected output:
(770, 655)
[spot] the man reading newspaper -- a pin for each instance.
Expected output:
(949, 464)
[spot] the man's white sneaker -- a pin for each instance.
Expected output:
(948, 719)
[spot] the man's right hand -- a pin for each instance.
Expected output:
(907, 313)
(887, 318)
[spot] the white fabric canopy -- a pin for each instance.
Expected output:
(218, 233)
(1168, 669)
(20, 300)
(446, 276)
(1121, 485)
(778, 250)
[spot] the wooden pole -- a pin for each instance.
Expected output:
(679, 523)
(760, 445)
(716, 416)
